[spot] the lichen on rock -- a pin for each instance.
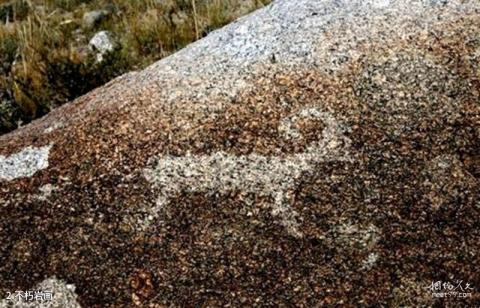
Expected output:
(24, 163)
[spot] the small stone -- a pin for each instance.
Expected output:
(94, 18)
(102, 43)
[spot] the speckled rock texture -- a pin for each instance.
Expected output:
(314, 153)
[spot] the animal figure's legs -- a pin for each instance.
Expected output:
(288, 216)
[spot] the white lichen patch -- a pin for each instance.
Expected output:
(438, 174)
(357, 236)
(269, 176)
(360, 238)
(53, 127)
(370, 261)
(24, 163)
(51, 293)
(379, 4)
(45, 192)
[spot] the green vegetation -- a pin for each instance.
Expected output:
(45, 60)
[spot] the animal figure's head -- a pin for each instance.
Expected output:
(326, 140)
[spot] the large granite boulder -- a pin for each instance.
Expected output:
(313, 153)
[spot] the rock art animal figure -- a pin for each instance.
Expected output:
(269, 176)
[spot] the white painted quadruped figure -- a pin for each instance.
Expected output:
(274, 177)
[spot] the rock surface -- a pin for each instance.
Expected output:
(314, 153)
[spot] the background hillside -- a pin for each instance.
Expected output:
(52, 51)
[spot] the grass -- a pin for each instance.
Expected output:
(45, 62)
